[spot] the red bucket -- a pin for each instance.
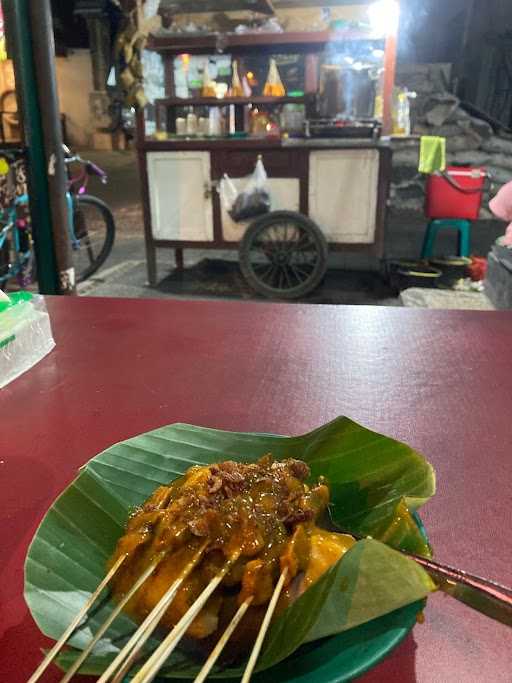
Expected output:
(445, 200)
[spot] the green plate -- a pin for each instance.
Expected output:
(342, 657)
(67, 557)
(347, 655)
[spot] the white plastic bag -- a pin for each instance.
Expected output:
(228, 192)
(25, 334)
(252, 201)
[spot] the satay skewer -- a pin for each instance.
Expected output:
(153, 665)
(221, 644)
(75, 622)
(108, 621)
(264, 627)
(130, 651)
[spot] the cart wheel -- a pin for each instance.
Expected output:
(283, 255)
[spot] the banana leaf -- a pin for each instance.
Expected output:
(376, 483)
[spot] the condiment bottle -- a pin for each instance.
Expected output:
(191, 124)
(181, 126)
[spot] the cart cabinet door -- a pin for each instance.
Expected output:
(343, 193)
(180, 197)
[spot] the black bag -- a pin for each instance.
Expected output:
(254, 200)
(250, 204)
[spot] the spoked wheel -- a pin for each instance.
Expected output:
(283, 255)
(18, 263)
(5, 261)
(94, 230)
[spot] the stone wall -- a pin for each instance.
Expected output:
(469, 139)
(74, 84)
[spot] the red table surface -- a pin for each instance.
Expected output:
(439, 380)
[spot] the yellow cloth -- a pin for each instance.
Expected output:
(432, 154)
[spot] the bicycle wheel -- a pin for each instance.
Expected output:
(94, 230)
(17, 263)
(5, 261)
(284, 255)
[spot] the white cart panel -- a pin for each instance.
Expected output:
(180, 201)
(343, 187)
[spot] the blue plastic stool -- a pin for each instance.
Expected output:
(460, 224)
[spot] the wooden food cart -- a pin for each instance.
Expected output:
(328, 189)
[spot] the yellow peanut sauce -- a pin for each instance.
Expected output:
(261, 517)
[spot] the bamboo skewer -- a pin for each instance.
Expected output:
(124, 656)
(83, 655)
(217, 650)
(128, 654)
(264, 627)
(153, 665)
(75, 623)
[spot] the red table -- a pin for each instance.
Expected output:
(439, 380)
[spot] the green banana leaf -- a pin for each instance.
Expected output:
(376, 482)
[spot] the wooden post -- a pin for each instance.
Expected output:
(389, 79)
(311, 73)
(143, 168)
(44, 60)
(20, 45)
(146, 209)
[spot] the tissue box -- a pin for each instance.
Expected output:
(25, 334)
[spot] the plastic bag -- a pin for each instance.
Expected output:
(25, 334)
(208, 89)
(253, 200)
(236, 89)
(239, 84)
(228, 192)
(274, 85)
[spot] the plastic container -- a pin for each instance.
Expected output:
(478, 268)
(25, 334)
(403, 274)
(445, 201)
(453, 269)
(292, 118)
(425, 277)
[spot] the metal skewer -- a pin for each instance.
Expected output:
(75, 623)
(485, 596)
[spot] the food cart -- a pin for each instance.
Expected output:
(328, 171)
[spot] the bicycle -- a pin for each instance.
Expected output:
(91, 221)
(91, 229)
(16, 252)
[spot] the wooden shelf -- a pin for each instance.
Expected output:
(304, 41)
(259, 144)
(224, 102)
